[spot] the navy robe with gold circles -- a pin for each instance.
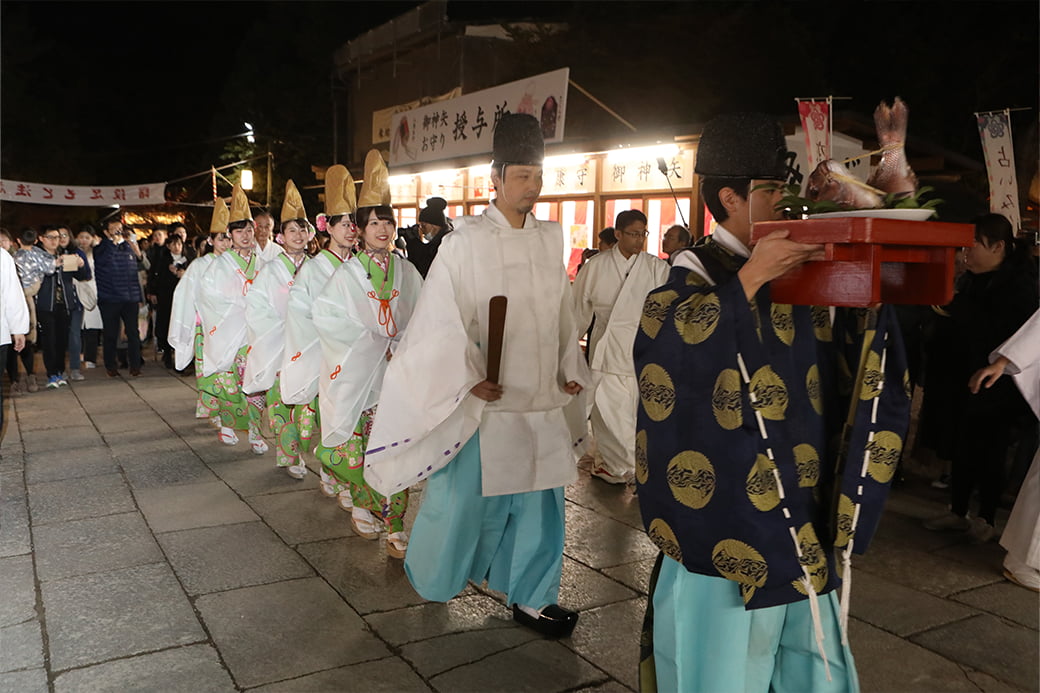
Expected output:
(757, 498)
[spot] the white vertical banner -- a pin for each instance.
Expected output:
(995, 131)
(816, 123)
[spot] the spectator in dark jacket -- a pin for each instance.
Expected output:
(119, 293)
(56, 303)
(167, 270)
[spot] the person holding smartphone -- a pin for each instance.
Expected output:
(119, 293)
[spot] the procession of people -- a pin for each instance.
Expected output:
(723, 408)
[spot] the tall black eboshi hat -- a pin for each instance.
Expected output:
(743, 145)
(518, 141)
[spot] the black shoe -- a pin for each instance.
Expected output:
(554, 621)
(112, 372)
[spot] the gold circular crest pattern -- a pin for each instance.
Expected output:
(782, 317)
(770, 392)
(872, 377)
(655, 309)
(821, 323)
(691, 478)
(657, 392)
(642, 466)
(664, 538)
(845, 530)
(741, 563)
(814, 558)
(697, 317)
(807, 461)
(884, 456)
(812, 387)
(726, 400)
(761, 486)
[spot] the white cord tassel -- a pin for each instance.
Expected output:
(814, 606)
(846, 579)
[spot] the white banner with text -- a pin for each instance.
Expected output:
(83, 195)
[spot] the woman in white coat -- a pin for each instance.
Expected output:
(1019, 356)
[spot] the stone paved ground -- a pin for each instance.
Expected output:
(139, 554)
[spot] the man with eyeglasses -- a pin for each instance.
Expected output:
(56, 302)
(612, 287)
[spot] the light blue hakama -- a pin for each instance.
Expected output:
(513, 541)
(705, 640)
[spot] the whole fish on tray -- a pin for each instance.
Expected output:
(831, 181)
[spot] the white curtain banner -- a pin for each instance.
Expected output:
(995, 131)
(82, 195)
(464, 126)
(816, 117)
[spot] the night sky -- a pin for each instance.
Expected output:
(116, 93)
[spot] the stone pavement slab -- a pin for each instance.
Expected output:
(634, 575)
(211, 559)
(923, 571)
(430, 619)
(22, 646)
(437, 655)
(93, 545)
(97, 617)
(256, 474)
(30, 681)
(609, 638)
(74, 499)
(302, 516)
(191, 506)
(64, 439)
(389, 675)
(617, 501)
(539, 666)
(165, 469)
(12, 484)
(600, 542)
(582, 588)
(140, 420)
(15, 538)
(92, 461)
(1006, 600)
(873, 597)
(362, 573)
(275, 632)
(887, 664)
(191, 669)
(18, 587)
(1004, 651)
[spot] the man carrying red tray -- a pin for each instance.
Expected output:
(748, 412)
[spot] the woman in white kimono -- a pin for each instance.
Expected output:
(266, 305)
(301, 361)
(1020, 357)
(222, 305)
(360, 316)
(186, 323)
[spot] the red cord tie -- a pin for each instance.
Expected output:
(386, 314)
(296, 356)
(335, 373)
(248, 282)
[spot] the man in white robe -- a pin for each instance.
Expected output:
(497, 455)
(612, 287)
(266, 247)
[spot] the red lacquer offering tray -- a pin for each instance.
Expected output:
(871, 260)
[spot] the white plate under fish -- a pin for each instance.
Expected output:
(901, 214)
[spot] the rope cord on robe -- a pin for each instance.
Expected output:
(386, 313)
(814, 605)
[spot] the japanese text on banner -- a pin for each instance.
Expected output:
(995, 131)
(464, 126)
(83, 195)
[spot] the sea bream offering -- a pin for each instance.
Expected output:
(892, 177)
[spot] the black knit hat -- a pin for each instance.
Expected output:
(518, 140)
(434, 212)
(742, 145)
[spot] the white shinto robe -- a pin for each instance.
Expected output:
(613, 289)
(355, 334)
(184, 313)
(266, 306)
(222, 304)
(301, 362)
(271, 251)
(1021, 537)
(427, 413)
